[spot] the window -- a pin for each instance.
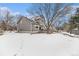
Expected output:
(36, 26)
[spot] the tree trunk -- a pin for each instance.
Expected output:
(49, 30)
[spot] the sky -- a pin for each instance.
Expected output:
(21, 7)
(17, 7)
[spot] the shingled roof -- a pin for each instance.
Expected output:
(24, 17)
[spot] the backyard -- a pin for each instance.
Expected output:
(39, 29)
(26, 44)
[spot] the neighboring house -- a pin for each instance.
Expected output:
(75, 23)
(75, 31)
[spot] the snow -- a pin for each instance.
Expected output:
(25, 44)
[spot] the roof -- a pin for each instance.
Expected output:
(36, 17)
(32, 21)
(24, 17)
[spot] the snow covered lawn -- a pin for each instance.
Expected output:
(25, 44)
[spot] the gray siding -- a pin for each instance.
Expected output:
(24, 25)
(34, 28)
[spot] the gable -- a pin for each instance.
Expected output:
(24, 20)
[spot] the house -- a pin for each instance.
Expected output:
(75, 23)
(41, 22)
(25, 24)
(75, 31)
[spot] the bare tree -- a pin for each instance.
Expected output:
(50, 12)
(6, 18)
